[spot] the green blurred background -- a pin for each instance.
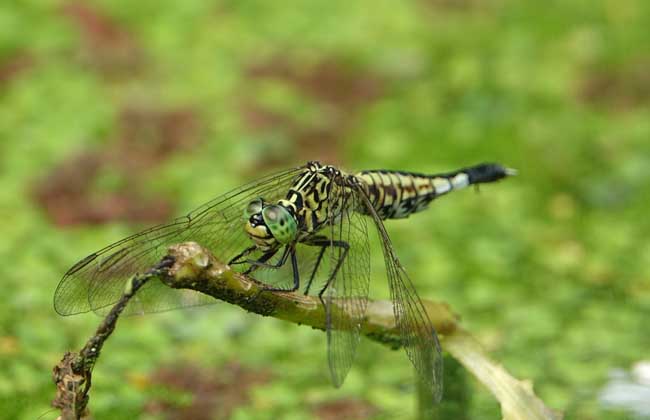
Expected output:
(118, 114)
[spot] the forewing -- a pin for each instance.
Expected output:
(419, 337)
(347, 294)
(98, 281)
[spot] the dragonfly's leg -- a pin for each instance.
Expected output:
(313, 273)
(296, 276)
(241, 255)
(262, 261)
(346, 249)
(324, 243)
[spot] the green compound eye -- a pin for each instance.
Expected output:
(253, 207)
(282, 225)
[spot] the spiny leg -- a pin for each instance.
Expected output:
(324, 243)
(313, 273)
(242, 254)
(262, 261)
(346, 247)
(296, 274)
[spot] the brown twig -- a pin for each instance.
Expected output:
(189, 266)
(73, 374)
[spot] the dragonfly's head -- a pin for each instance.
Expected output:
(269, 225)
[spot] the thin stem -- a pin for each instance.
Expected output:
(73, 375)
(190, 266)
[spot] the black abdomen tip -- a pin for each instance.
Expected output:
(488, 172)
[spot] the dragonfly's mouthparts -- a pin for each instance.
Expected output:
(256, 219)
(259, 233)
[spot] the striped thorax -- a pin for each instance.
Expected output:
(303, 212)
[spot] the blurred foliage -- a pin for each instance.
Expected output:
(116, 114)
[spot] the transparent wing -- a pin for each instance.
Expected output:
(346, 296)
(98, 281)
(419, 337)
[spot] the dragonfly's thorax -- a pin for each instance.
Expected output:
(306, 207)
(313, 197)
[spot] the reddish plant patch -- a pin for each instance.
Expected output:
(13, 66)
(146, 138)
(620, 88)
(328, 80)
(107, 46)
(338, 88)
(215, 394)
(347, 409)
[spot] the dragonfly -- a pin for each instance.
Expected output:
(304, 230)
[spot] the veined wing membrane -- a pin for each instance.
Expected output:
(98, 280)
(346, 297)
(419, 337)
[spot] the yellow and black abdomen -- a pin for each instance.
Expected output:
(397, 194)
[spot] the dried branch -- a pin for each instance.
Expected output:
(189, 266)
